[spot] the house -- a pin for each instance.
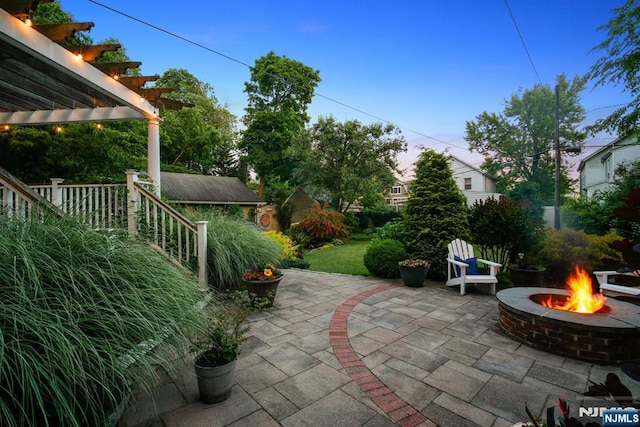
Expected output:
(597, 170)
(471, 181)
(398, 195)
(208, 190)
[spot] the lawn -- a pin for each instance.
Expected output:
(346, 259)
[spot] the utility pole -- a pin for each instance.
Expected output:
(556, 204)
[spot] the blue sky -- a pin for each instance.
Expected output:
(427, 66)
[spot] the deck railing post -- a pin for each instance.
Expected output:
(56, 194)
(202, 253)
(132, 203)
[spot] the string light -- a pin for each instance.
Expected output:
(6, 128)
(99, 125)
(58, 129)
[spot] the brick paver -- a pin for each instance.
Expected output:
(396, 408)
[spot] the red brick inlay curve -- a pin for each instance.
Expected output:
(396, 408)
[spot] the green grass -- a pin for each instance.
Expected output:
(346, 259)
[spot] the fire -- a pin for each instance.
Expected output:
(581, 299)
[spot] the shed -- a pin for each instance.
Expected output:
(208, 190)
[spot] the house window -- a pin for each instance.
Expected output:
(467, 183)
(396, 190)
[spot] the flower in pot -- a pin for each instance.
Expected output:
(526, 271)
(262, 284)
(413, 271)
(220, 347)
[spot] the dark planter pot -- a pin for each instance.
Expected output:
(262, 289)
(529, 278)
(413, 276)
(215, 382)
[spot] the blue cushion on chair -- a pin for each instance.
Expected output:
(473, 265)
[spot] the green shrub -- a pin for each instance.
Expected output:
(234, 245)
(435, 214)
(323, 225)
(288, 249)
(561, 250)
(376, 216)
(501, 229)
(74, 303)
(381, 258)
(392, 230)
(299, 236)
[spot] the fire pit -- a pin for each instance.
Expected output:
(609, 334)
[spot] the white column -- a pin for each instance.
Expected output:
(202, 253)
(153, 152)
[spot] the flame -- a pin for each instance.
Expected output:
(581, 299)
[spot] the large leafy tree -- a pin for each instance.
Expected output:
(518, 144)
(350, 161)
(201, 138)
(279, 93)
(436, 212)
(620, 65)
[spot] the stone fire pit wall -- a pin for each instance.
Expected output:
(606, 338)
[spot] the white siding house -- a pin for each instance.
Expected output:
(597, 170)
(472, 182)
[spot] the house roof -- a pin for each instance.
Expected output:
(207, 189)
(629, 140)
(471, 167)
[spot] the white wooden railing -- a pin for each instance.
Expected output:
(134, 207)
(18, 199)
(100, 206)
(165, 227)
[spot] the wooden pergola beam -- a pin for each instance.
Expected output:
(63, 32)
(133, 82)
(93, 52)
(116, 68)
(21, 8)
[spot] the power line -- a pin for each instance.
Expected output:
(515, 24)
(201, 46)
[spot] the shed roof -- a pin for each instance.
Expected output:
(207, 189)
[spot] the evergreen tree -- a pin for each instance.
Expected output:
(436, 212)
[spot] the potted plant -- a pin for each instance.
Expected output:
(220, 347)
(525, 271)
(262, 283)
(413, 271)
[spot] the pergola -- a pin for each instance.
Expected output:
(42, 82)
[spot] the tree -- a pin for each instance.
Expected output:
(620, 64)
(435, 213)
(518, 143)
(279, 93)
(596, 214)
(201, 138)
(349, 161)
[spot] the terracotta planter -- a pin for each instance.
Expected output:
(215, 382)
(413, 276)
(262, 289)
(525, 277)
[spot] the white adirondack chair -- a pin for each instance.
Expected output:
(613, 290)
(464, 250)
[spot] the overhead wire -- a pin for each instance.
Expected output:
(201, 46)
(330, 99)
(515, 24)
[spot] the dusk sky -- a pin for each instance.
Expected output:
(426, 66)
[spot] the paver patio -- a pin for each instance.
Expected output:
(339, 350)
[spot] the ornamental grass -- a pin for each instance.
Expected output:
(76, 304)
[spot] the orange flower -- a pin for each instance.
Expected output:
(268, 272)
